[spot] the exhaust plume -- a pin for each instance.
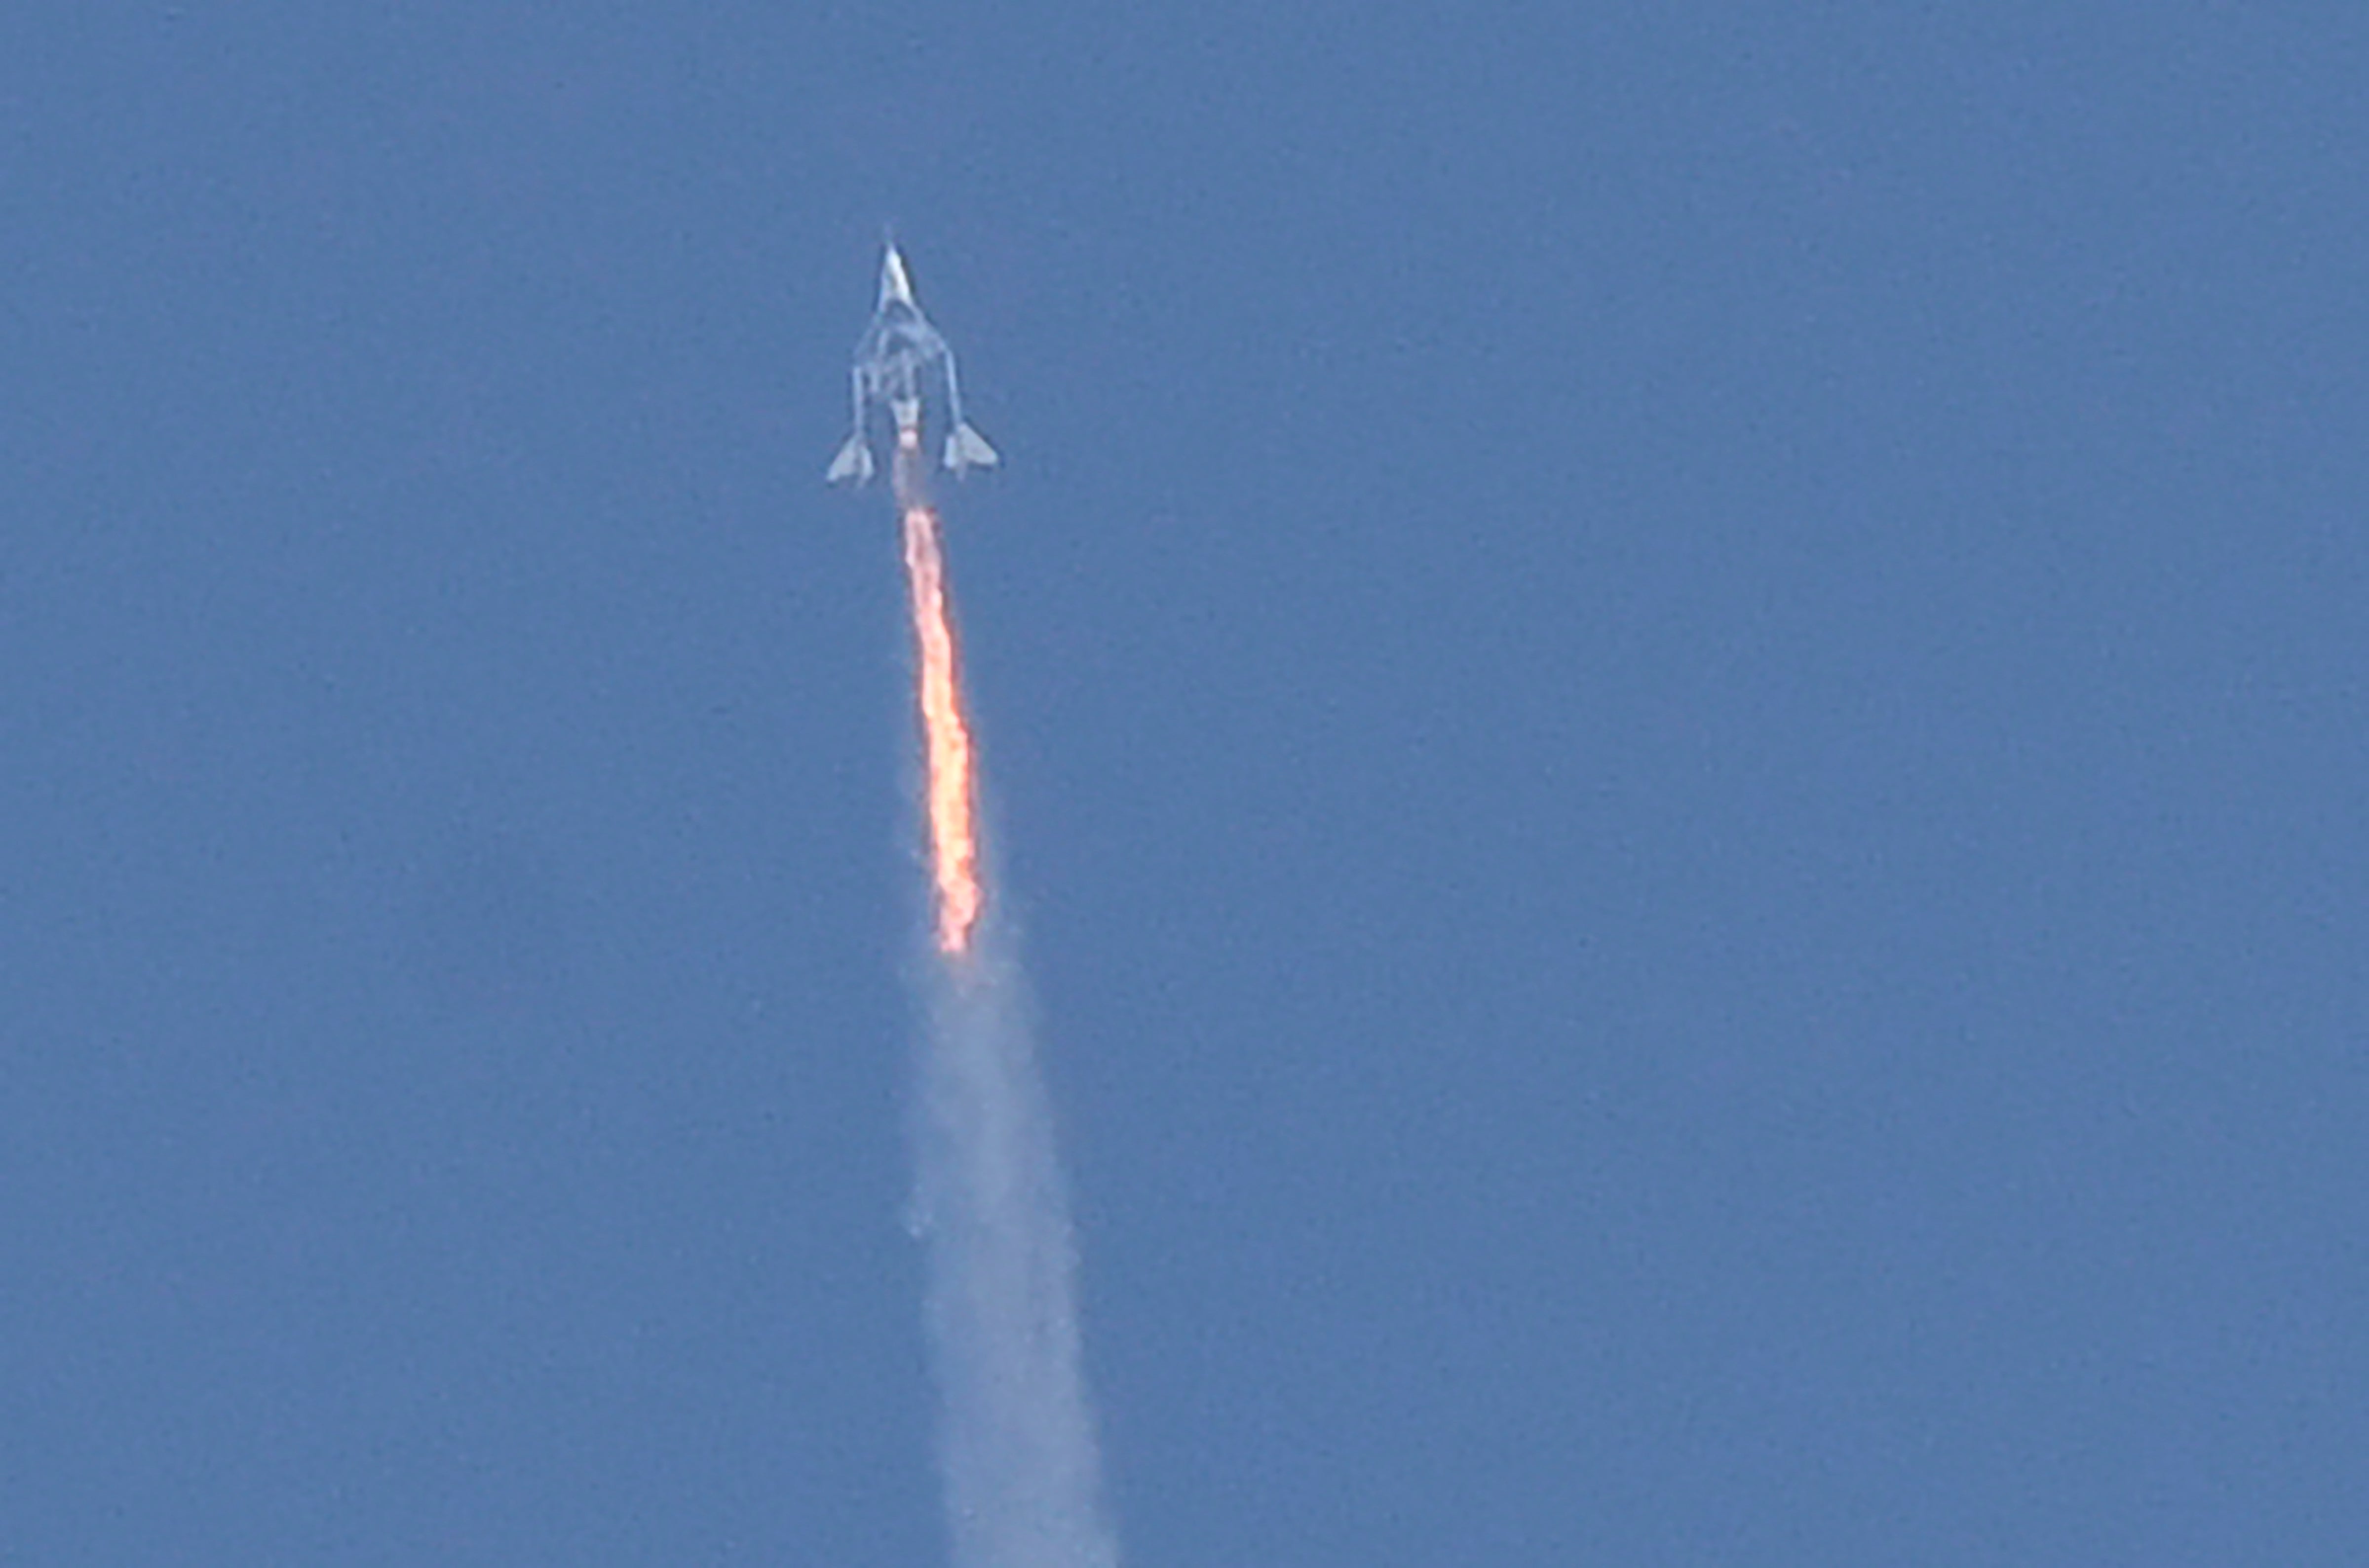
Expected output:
(1023, 1470)
(945, 738)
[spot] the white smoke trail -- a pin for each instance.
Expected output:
(1022, 1469)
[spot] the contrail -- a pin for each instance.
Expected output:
(1022, 1468)
(1016, 1432)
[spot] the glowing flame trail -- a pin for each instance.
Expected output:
(954, 837)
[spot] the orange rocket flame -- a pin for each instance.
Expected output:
(945, 734)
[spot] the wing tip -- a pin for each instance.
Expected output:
(965, 448)
(853, 463)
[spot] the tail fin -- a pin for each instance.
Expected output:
(967, 449)
(854, 461)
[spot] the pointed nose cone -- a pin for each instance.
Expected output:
(895, 287)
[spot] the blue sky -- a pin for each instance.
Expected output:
(1674, 701)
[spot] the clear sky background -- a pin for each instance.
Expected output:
(1675, 700)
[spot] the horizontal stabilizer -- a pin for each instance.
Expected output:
(854, 461)
(967, 449)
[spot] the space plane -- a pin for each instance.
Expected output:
(903, 387)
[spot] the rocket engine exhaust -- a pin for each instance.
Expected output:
(951, 793)
(1022, 1469)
